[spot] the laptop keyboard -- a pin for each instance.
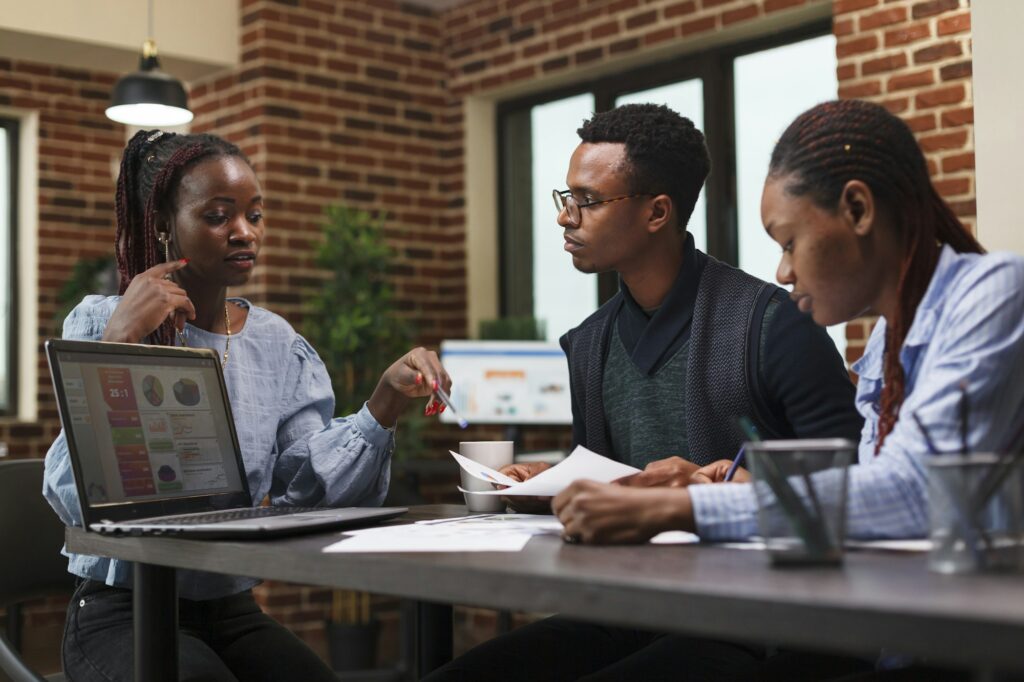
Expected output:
(230, 515)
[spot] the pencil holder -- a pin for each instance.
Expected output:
(975, 509)
(801, 497)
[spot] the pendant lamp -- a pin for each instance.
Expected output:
(149, 98)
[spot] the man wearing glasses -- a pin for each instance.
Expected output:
(659, 375)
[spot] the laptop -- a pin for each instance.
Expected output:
(154, 448)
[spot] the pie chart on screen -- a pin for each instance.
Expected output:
(186, 392)
(153, 390)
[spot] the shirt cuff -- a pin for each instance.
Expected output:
(376, 435)
(724, 511)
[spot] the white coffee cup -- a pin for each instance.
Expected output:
(491, 453)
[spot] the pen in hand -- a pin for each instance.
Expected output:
(737, 460)
(448, 403)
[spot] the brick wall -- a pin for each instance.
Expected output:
(914, 57)
(78, 146)
(362, 102)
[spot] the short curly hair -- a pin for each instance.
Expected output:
(665, 151)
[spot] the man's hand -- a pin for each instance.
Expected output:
(603, 513)
(526, 504)
(671, 472)
(715, 473)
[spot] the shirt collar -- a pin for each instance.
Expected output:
(869, 366)
(649, 340)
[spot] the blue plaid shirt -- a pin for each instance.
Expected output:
(969, 326)
(282, 403)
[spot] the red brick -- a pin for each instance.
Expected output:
(568, 40)
(957, 117)
(906, 35)
(951, 187)
(680, 8)
(956, 71)
(660, 35)
(883, 64)
(932, 53)
(897, 105)
(911, 80)
(858, 45)
(885, 17)
(955, 24)
(922, 123)
(777, 5)
(842, 27)
(642, 19)
(859, 90)
(933, 7)
(604, 30)
(845, 72)
(958, 162)
(737, 15)
(943, 141)
(952, 94)
(698, 26)
(844, 6)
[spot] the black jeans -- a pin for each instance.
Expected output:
(220, 640)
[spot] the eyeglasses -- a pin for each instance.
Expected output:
(564, 200)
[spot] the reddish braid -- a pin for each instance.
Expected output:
(152, 165)
(836, 142)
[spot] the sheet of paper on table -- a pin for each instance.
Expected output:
(581, 464)
(479, 533)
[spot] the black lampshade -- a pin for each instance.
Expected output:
(149, 98)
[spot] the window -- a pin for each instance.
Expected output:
(8, 263)
(741, 96)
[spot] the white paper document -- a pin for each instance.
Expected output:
(581, 464)
(481, 533)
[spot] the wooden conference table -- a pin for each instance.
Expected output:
(874, 600)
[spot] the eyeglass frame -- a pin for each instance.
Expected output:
(562, 197)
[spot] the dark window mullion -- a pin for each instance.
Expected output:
(10, 406)
(515, 197)
(720, 133)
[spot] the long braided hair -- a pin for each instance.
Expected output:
(152, 165)
(836, 142)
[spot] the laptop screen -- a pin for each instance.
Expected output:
(148, 428)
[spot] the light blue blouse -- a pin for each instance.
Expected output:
(968, 327)
(293, 450)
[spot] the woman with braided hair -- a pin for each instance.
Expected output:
(863, 232)
(190, 225)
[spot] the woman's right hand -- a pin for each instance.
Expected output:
(526, 504)
(151, 298)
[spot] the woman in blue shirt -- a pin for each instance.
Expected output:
(189, 225)
(863, 232)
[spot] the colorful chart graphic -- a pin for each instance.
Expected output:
(152, 390)
(116, 383)
(186, 392)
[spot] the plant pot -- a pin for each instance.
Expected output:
(352, 646)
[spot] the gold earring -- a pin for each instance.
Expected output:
(165, 239)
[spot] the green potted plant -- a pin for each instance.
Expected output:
(351, 322)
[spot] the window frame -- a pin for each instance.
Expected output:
(13, 129)
(714, 67)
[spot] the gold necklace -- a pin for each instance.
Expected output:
(227, 327)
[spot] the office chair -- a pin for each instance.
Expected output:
(33, 566)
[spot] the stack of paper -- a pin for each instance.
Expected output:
(482, 533)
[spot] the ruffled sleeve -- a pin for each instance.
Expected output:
(325, 461)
